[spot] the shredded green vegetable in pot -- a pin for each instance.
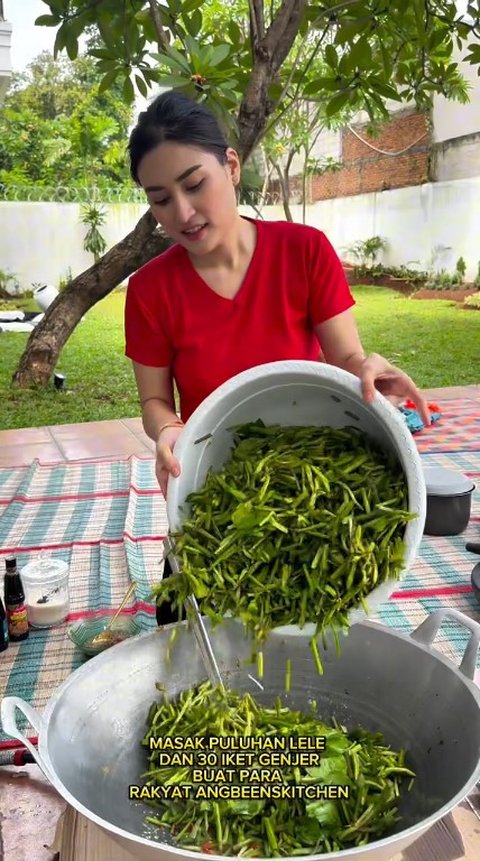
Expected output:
(299, 526)
(360, 762)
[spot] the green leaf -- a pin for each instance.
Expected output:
(334, 744)
(201, 591)
(107, 34)
(191, 6)
(347, 32)
(474, 55)
(181, 59)
(193, 46)
(101, 53)
(195, 23)
(307, 830)
(235, 34)
(219, 54)
(325, 812)
(335, 105)
(141, 85)
(150, 74)
(275, 91)
(47, 21)
(172, 63)
(246, 517)
(60, 40)
(174, 81)
(331, 56)
(132, 38)
(71, 45)
(246, 807)
(108, 80)
(322, 83)
(436, 37)
(383, 89)
(128, 91)
(228, 96)
(386, 60)
(360, 54)
(331, 771)
(106, 65)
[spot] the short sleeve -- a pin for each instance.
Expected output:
(329, 292)
(145, 338)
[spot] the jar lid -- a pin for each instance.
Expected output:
(446, 482)
(44, 569)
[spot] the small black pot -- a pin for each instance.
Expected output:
(476, 581)
(449, 501)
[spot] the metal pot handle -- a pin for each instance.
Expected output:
(427, 631)
(9, 724)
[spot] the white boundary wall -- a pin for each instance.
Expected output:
(39, 242)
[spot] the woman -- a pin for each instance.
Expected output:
(231, 292)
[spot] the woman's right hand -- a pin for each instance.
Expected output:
(166, 462)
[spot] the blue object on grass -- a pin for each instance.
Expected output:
(413, 420)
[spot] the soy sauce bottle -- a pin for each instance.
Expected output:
(3, 627)
(15, 602)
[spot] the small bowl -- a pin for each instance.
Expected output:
(83, 632)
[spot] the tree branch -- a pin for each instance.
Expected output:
(266, 181)
(278, 42)
(268, 56)
(285, 191)
(257, 20)
(157, 23)
(290, 78)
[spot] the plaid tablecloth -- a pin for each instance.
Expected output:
(108, 520)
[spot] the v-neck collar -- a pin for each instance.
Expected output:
(246, 278)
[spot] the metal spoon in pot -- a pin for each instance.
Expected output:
(106, 636)
(195, 618)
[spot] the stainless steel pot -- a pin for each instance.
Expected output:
(90, 731)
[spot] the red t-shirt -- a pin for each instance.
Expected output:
(173, 318)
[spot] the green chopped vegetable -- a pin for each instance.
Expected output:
(299, 526)
(370, 772)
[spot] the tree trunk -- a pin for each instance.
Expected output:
(38, 361)
(268, 56)
(285, 191)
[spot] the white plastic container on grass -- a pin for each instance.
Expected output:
(296, 393)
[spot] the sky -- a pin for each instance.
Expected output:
(27, 40)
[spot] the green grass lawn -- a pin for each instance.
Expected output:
(433, 341)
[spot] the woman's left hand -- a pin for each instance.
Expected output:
(376, 373)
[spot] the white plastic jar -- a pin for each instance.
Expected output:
(45, 581)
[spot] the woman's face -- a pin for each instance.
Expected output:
(191, 195)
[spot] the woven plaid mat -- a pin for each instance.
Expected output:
(458, 429)
(108, 519)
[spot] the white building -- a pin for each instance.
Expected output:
(5, 59)
(456, 131)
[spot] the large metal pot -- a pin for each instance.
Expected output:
(90, 731)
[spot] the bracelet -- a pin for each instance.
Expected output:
(178, 424)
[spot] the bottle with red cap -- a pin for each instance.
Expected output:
(17, 616)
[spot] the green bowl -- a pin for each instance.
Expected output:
(83, 632)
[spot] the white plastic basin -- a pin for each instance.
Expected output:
(296, 393)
